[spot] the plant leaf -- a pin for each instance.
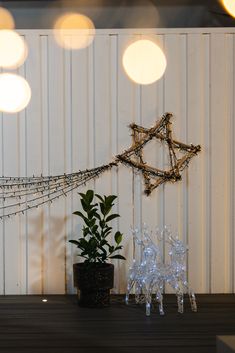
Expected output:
(118, 247)
(103, 242)
(102, 223)
(102, 208)
(74, 242)
(82, 195)
(100, 198)
(112, 216)
(94, 228)
(93, 243)
(107, 233)
(120, 257)
(84, 243)
(110, 199)
(91, 213)
(107, 230)
(89, 196)
(78, 213)
(118, 237)
(86, 231)
(85, 206)
(111, 248)
(107, 209)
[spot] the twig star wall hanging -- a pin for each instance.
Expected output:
(134, 156)
(20, 194)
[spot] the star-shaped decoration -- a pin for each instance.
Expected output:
(134, 157)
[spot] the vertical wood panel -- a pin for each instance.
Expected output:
(45, 158)
(2, 224)
(229, 255)
(137, 184)
(81, 141)
(152, 108)
(56, 235)
(91, 112)
(102, 111)
(22, 170)
(113, 79)
(103, 118)
(175, 206)
(198, 88)
(33, 229)
(126, 90)
(11, 229)
(68, 166)
(151, 111)
(14, 269)
(207, 165)
(232, 180)
(219, 162)
(175, 101)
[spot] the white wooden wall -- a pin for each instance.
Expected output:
(81, 105)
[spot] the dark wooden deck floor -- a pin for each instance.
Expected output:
(60, 326)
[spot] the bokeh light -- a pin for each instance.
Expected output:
(74, 31)
(229, 6)
(6, 19)
(13, 49)
(144, 61)
(15, 93)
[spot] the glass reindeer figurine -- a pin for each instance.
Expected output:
(148, 273)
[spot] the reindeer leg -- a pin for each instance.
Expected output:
(191, 295)
(179, 294)
(137, 293)
(159, 298)
(180, 302)
(180, 297)
(148, 304)
(129, 288)
(193, 302)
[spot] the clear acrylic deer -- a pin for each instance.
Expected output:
(145, 275)
(176, 273)
(148, 274)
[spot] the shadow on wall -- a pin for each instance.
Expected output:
(47, 239)
(123, 13)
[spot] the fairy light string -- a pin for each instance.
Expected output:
(20, 194)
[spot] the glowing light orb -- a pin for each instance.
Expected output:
(144, 62)
(6, 19)
(229, 6)
(15, 93)
(44, 300)
(74, 31)
(13, 49)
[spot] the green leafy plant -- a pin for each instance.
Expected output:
(94, 246)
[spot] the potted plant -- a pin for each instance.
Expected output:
(94, 276)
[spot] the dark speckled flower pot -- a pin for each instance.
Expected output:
(94, 283)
